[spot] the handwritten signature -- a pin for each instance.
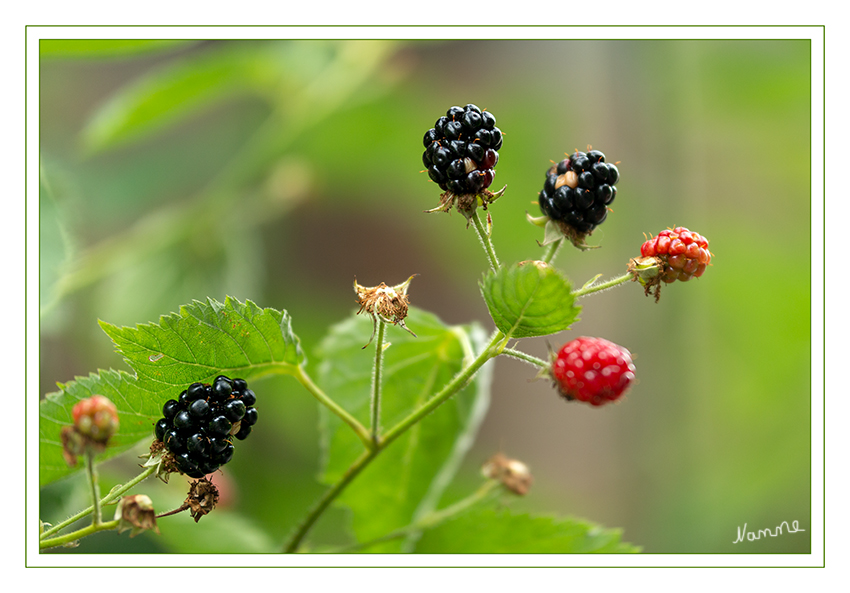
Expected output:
(752, 536)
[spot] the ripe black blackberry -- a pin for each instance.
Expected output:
(578, 191)
(197, 427)
(460, 150)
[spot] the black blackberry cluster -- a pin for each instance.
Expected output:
(579, 189)
(460, 150)
(198, 426)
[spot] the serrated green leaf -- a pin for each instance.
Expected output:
(487, 531)
(206, 338)
(196, 344)
(174, 91)
(529, 299)
(105, 48)
(407, 478)
(139, 405)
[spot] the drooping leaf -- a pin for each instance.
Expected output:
(55, 245)
(201, 341)
(488, 531)
(529, 299)
(407, 478)
(176, 90)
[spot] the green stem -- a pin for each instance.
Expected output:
(112, 495)
(327, 498)
(376, 382)
(91, 474)
(526, 357)
(484, 236)
(456, 384)
(75, 535)
(603, 285)
(552, 250)
(305, 380)
(432, 519)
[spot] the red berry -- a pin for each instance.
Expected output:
(96, 418)
(685, 254)
(593, 370)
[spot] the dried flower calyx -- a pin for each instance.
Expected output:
(385, 303)
(136, 514)
(202, 498)
(512, 473)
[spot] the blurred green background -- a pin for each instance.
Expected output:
(277, 171)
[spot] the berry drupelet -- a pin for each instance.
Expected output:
(198, 427)
(592, 370)
(578, 191)
(460, 150)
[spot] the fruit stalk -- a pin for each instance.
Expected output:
(375, 404)
(91, 474)
(111, 496)
(586, 290)
(360, 430)
(457, 383)
(484, 236)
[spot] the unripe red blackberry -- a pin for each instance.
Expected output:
(461, 150)
(578, 191)
(95, 418)
(684, 254)
(592, 370)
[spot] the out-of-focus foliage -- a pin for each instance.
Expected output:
(277, 171)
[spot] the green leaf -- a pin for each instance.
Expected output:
(407, 479)
(139, 406)
(174, 91)
(204, 339)
(487, 531)
(54, 240)
(529, 299)
(106, 48)
(201, 341)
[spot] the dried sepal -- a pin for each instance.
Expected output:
(385, 303)
(202, 498)
(512, 473)
(135, 513)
